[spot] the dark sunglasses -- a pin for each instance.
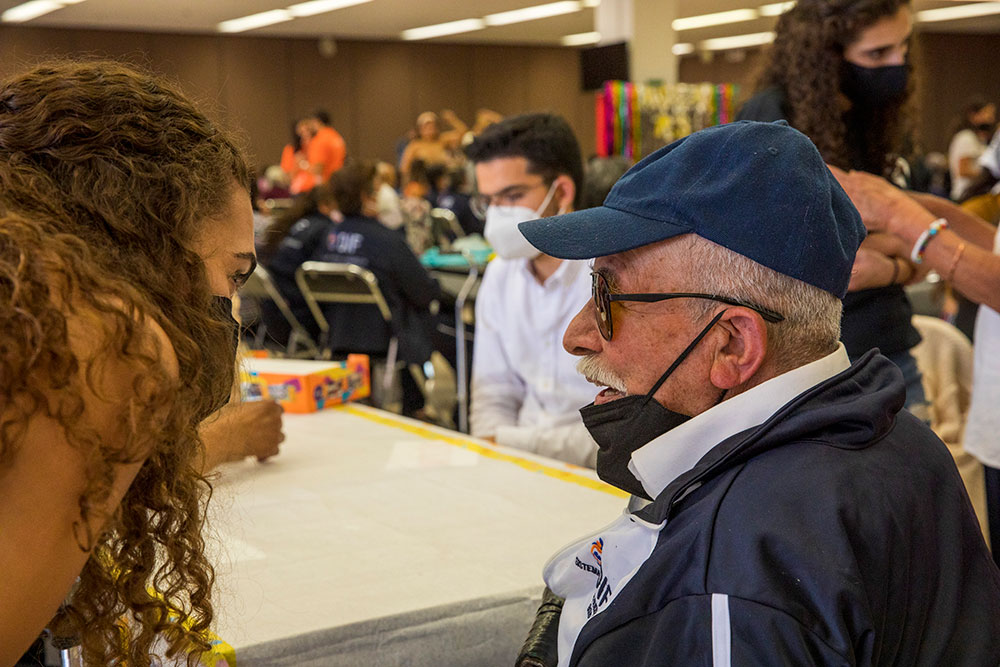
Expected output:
(603, 298)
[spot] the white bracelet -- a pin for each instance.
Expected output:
(917, 254)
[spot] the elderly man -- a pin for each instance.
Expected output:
(799, 515)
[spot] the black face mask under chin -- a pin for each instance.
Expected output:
(626, 424)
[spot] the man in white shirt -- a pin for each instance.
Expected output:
(525, 390)
(798, 515)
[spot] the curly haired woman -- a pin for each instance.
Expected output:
(839, 72)
(125, 226)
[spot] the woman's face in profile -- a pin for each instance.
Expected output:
(225, 244)
(885, 42)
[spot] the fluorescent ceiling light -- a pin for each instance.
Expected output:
(253, 21)
(775, 8)
(581, 38)
(958, 12)
(738, 41)
(442, 29)
(534, 13)
(591, 3)
(321, 7)
(30, 10)
(719, 18)
(682, 49)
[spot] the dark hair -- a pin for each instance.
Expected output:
(322, 115)
(350, 183)
(303, 205)
(601, 175)
(545, 140)
(296, 139)
(107, 175)
(807, 62)
(972, 106)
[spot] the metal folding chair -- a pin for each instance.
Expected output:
(331, 282)
(261, 287)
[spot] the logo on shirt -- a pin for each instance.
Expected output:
(345, 243)
(602, 588)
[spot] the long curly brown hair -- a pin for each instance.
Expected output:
(106, 176)
(806, 61)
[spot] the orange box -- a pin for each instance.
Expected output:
(306, 386)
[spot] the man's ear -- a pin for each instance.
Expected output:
(565, 193)
(742, 349)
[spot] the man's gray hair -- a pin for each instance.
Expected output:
(811, 328)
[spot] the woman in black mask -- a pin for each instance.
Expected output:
(839, 72)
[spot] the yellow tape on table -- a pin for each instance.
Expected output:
(484, 450)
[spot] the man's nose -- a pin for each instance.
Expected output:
(582, 337)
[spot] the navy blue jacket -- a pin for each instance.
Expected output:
(406, 285)
(841, 533)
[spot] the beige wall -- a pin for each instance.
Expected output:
(951, 68)
(373, 90)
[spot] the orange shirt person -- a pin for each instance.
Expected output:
(326, 149)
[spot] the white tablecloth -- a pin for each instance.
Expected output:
(377, 540)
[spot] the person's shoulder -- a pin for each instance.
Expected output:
(767, 105)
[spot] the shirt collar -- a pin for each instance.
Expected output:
(663, 459)
(564, 275)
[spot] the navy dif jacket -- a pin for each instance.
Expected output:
(837, 533)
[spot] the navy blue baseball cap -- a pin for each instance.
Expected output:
(759, 189)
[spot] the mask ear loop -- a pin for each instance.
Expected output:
(682, 356)
(548, 199)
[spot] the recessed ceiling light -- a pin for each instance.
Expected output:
(775, 8)
(718, 18)
(533, 13)
(34, 9)
(958, 12)
(315, 7)
(737, 41)
(253, 21)
(581, 39)
(442, 29)
(682, 49)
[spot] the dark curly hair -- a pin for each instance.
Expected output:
(106, 177)
(807, 61)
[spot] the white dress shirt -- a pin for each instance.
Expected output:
(526, 392)
(665, 458)
(982, 426)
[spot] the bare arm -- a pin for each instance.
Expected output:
(41, 483)
(961, 253)
(240, 430)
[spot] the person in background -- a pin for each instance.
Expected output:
(295, 158)
(409, 290)
(452, 195)
(126, 229)
(431, 145)
(525, 390)
(798, 515)
(963, 249)
(388, 206)
(326, 150)
(599, 176)
(975, 128)
(839, 73)
(292, 239)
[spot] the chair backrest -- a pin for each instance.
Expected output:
(334, 282)
(446, 222)
(261, 286)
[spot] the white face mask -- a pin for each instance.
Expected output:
(502, 233)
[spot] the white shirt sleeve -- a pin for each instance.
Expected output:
(497, 390)
(571, 442)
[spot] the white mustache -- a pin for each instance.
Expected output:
(591, 368)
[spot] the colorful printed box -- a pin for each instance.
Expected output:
(306, 386)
